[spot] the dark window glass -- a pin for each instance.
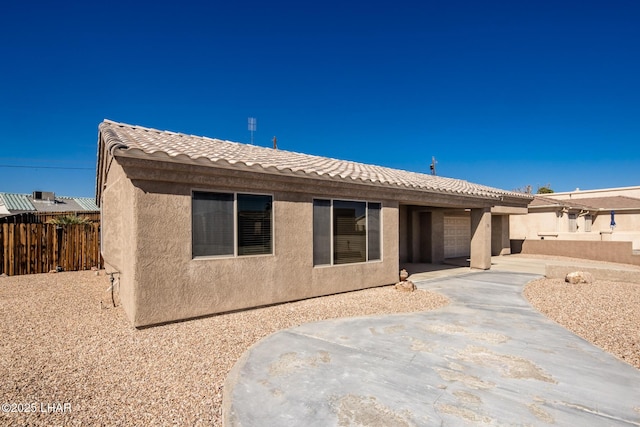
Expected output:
(321, 232)
(254, 224)
(212, 224)
(349, 232)
(373, 225)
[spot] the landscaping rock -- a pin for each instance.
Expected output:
(579, 277)
(405, 286)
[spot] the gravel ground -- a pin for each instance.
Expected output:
(604, 313)
(75, 362)
(59, 345)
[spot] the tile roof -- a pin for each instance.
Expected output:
(540, 201)
(153, 143)
(591, 203)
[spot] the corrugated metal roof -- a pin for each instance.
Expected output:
(24, 203)
(87, 203)
(201, 150)
(17, 202)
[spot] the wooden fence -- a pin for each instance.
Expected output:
(44, 217)
(40, 248)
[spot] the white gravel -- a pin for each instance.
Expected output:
(59, 349)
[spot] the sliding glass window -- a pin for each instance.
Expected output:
(228, 224)
(345, 232)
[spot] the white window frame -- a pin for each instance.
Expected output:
(235, 224)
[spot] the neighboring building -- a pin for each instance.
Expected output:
(196, 226)
(582, 215)
(44, 202)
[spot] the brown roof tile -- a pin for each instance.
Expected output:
(203, 150)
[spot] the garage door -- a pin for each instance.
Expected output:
(457, 236)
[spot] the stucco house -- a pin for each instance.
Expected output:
(582, 216)
(195, 226)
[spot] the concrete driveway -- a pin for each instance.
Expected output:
(488, 358)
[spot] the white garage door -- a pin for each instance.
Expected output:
(457, 236)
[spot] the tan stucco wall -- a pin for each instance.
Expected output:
(547, 224)
(604, 192)
(480, 239)
(619, 252)
(118, 225)
(500, 244)
(164, 283)
(147, 228)
(528, 226)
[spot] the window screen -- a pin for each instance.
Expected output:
(321, 232)
(254, 224)
(373, 229)
(346, 232)
(349, 232)
(212, 224)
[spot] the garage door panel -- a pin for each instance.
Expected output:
(457, 236)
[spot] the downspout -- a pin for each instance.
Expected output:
(112, 285)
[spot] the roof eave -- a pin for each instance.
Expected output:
(120, 152)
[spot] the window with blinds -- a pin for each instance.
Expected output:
(349, 232)
(321, 232)
(254, 224)
(373, 231)
(346, 232)
(212, 224)
(229, 224)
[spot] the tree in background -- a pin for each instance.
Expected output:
(69, 220)
(545, 189)
(528, 189)
(525, 190)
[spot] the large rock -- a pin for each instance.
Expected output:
(405, 286)
(579, 277)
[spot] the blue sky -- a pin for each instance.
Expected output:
(502, 93)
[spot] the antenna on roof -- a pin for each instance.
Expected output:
(252, 127)
(433, 165)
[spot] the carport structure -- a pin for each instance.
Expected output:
(439, 230)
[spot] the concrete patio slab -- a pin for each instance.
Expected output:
(488, 358)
